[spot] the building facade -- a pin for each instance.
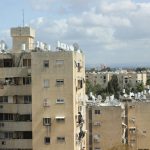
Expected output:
(124, 78)
(138, 125)
(41, 96)
(104, 124)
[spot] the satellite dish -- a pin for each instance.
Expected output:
(76, 46)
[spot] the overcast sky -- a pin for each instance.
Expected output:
(108, 31)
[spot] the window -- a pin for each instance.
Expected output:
(79, 67)
(1, 124)
(46, 121)
(8, 62)
(3, 99)
(47, 140)
(60, 101)
(46, 103)
(27, 99)
(97, 112)
(26, 80)
(46, 63)
(59, 82)
(60, 119)
(61, 139)
(46, 83)
(80, 84)
(59, 62)
(26, 62)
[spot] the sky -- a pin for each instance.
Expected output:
(110, 32)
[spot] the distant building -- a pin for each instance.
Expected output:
(124, 78)
(41, 96)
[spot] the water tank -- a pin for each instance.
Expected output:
(2, 46)
(23, 47)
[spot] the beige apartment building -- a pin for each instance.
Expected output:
(138, 125)
(41, 96)
(101, 78)
(104, 124)
(124, 78)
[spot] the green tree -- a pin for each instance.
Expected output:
(139, 87)
(89, 87)
(113, 86)
(128, 87)
(97, 89)
(148, 82)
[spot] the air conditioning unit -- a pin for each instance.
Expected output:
(97, 123)
(46, 104)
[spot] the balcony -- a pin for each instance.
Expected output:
(13, 72)
(15, 90)
(16, 108)
(19, 126)
(16, 143)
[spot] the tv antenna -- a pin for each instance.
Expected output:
(23, 17)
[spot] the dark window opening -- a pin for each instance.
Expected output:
(46, 63)
(97, 112)
(80, 84)
(8, 63)
(27, 99)
(59, 82)
(26, 80)
(47, 140)
(26, 62)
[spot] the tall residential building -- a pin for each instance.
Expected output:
(41, 97)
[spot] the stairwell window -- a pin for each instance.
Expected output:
(46, 63)
(46, 83)
(60, 82)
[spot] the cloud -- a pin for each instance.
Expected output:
(108, 31)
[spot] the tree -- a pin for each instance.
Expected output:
(139, 87)
(148, 82)
(128, 87)
(113, 86)
(89, 87)
(97, 89)
(139, 69)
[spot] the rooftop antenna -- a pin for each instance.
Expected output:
(23, 17)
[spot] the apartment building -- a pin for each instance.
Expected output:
(138, 125)
(104, 124)
(124, 78)
(101, 78)
(41, 96)
(132, 78)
